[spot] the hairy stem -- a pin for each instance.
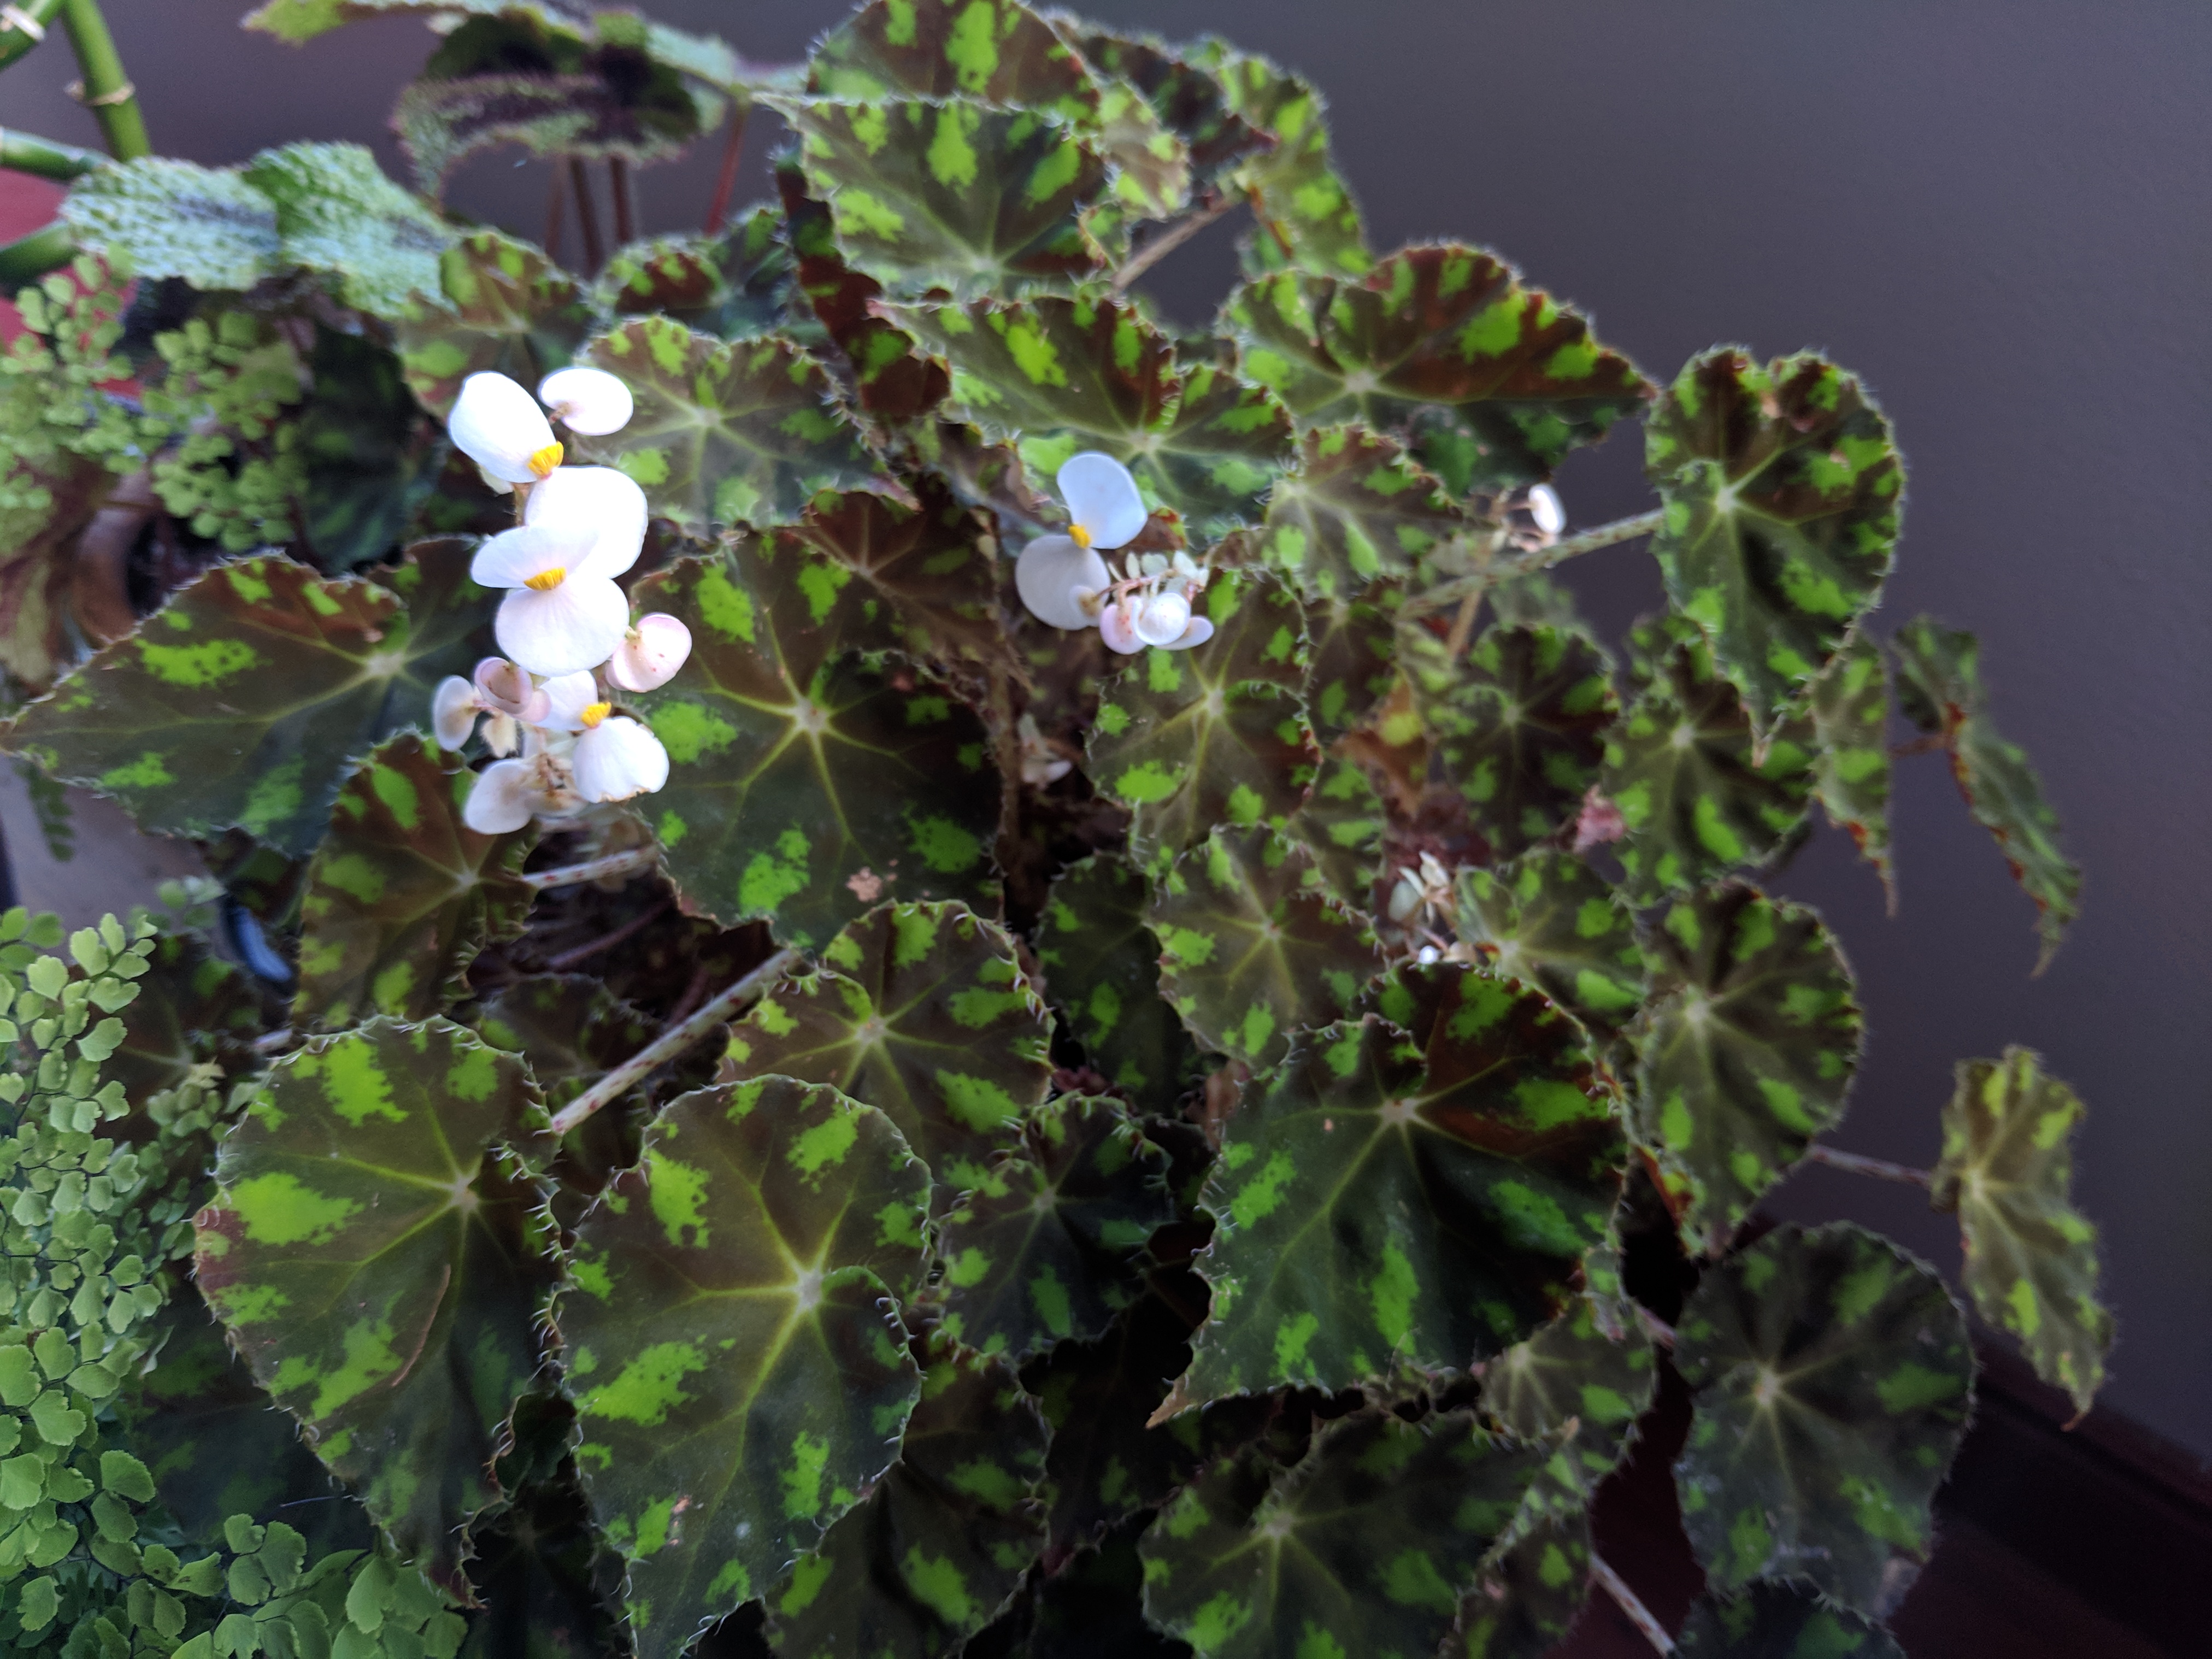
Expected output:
(671, 1042)
(107, 92)
(1168, 241)
(42, 158)
(22, 25)
(1543, 558)
(726, 181)
(1880, 1169)
(1629, 1602)
(575, 875)
(34, 256)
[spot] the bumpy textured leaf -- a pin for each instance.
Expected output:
(1748, 1040)
(1355, 511)
(943, 1541)
(740, 1379)
(1831, 1379)
(1342, 825)
(1447, 328)
(741, 283)
(725, 433)
(248, 698)
(1850, 768)
(1213, 735)
(1055, 376)
(804, 786)
(509, 310)
(1352, 646)
(1551, 919)
(1363, 1548)
(1779, 1621)
(1190, 99)
(1044, 1246)
(402, 894)
(929, 569)
(1781, 488)
(2007, 1171)
(1572, 1375)
(1253, 946)
(337, 213)
(1102, 969)
(376, 1251)
(1305, 217)
(158, 217)
(1533, 1587)
(997, 51)
(1939, 688)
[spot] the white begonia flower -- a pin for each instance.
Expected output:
(587, 401)
(617, 757)
(508, 793)
(1055, 573)
(502, 687)
(568, 697)
(562, 614)
(607, 503)
(453, 710)
(1123, 622)
(500, 427)
(650, 653)
(1163, 619)
(1545, 508)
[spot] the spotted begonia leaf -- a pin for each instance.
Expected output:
(1574, 1379)
(1094, 1604)
(1253, 946)
(725, 432)
(1940, 688)
(803, 785)
(1445, 328)
(1551, 919)
(1831, 1379)
(740, 1378)
(402, 894)
(1043, 1246)
(999, 53)
(1850, 766)
(1053, 376)
(1749, 1036)
(1781, 488)
(509, 310)
(1533, 1584)
(943, 1540)
(247, 699)
(379, 1257)
(1390, 1199)
(1102, 969)
(1342, 825)
(922, 1012)
(1780, 1621)
(1354, 511)
(735, 286)
(1352, 646)
(1304, 215)
(1364, 1548)
(2007, 1171)
(927, 567)
(1215, 735)
(1190, 101)
(191, 1006)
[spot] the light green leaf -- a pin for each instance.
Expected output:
(162, 218)
(337, 213)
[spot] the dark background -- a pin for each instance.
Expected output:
(1999, 212)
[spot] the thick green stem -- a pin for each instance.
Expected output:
(107, 91)
(44, 159)
(34, 256)
(22, 25)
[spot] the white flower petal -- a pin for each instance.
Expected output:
(650, 653)
(599, 502)
(589, 401)
(567, 697)
(452, 712)
(1104, 498)
(575, 626)
(1200, 631)
(500, 427)
(500, 685)
(513, 556)
(501, 735)
(505, 797)
(1163, 619)
(1545, 508)
(1118, 629)
(618, 759)
(1051, 570)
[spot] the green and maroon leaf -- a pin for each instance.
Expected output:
(192, 1007)
(736, 286)
(1342, 825)
(804, 786)
(1388, 1201)
(1253, 946)
(1102, 970)
(1531, 1588)
(402, 894)
(380, 1258)
(2007, 1172)
(1940, 688)
(1364, 1548)
(1781, 488)
(1576, 1385)
(741, 1378)
(1304, 215)
(1850, 766)
(1831, 1380)
(1748, 1039)
(1352, 645)
(1780, 1619)
(509, 310)
(1190, 101)
(1549, 919)
(997, 51)
(1046, 1244)
(1354, 511)
(928, 568)
(922, 1012)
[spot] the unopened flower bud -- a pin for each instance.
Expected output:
(650, 653)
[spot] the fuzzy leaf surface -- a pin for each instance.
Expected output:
(1353, 649)
(926, 567)
(158, 217)
(1354, 511)
(1304, 215)
(1779, 1618)
(1850, 764)
(1102, 969)
(1000, 53)
(1190, 99)
(1574, 1372)
(337, 213)
(1551, 919)
(509, 310)
(1342, 824)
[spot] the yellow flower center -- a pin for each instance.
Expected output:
(1078, 534)
(546, 580)
(542, 461)
(592, 713)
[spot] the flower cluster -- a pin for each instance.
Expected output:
(564, 621)
(1065, 581)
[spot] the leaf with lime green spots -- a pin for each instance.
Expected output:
(1573, 1379)
(379, 1256)
(1387, 1200)
(1533, 1586)
(1551, 919)
(1780, 1621)
(1352, 646)
(1102, 970)
(1053, 376)
(803, 784)
(1354, 511)
(1850, 767)
(1045, 1245)
(402, 894)
(1253, 945)
(725, 432)
(2030, 1257)
(1364, 1548)
(1519, 728)
(1304, 215)
(509, 310)
(192, 1007)
(1831, 1379)
(927, 567)
(1190, 101)
(922, 1012)
(1214, 735)
(994, 51)
(1780, 487)
(1939, 684)
(740, 1378)
(1680, 765)
(737, 285)
(943, 1540)
(1515, 375)
(1342, 824)
(247, 699)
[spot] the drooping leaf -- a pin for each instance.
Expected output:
(1352, 646)
(1305, 217)
(1364, 1547)
(402, 894)
(509, 310)
(1780, 490)
(1850, 766)
(735, 286)
(1102, 970)
(1831, 1379)
(1774, 1620)
(741, 1378)
(999, 53)
(2007, 1172)
(1940, 688)
(1342, 824)
(191, 1006)
(1253, 947)
(377, 1253)
(160, 217)
(1748, 1039)
(1551, 919)
(337, 213)
(1354, 511)
(1571, 1378)
(930, 568)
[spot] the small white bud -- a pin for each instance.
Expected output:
(1545, 508)
(587, 401)
(650, 653)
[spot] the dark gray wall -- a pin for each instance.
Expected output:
(1998, 211)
